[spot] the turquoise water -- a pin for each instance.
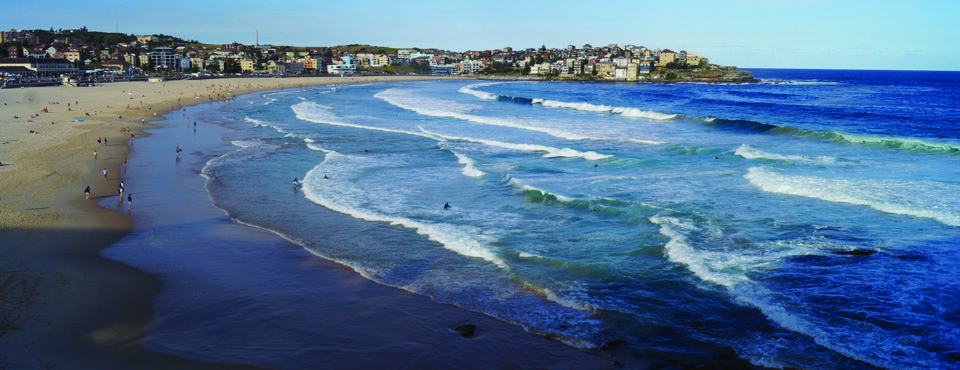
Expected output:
(810, 224)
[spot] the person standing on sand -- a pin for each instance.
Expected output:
(87, 192)
(98, 140)
(94, 154)
(178, 151)
(104, 140)
(104, 173)
(130, 201)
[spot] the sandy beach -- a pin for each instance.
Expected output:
(64, 305)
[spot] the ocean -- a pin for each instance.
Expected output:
(809, 221)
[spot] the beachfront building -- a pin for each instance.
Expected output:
(246, 65)
(471, 66)
(293, 68)
(632, 71)
(274, 67)
(309, 63)
(666, 57)
(163, 58)
(341, 69)
(383, 60)
(443, 70)
(620, 74)
(606, 70)
(40, 66)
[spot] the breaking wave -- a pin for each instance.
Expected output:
(423, 106)
(926, 199)
(550, 151)
(750, 152)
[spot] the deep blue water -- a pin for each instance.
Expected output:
(809, 221)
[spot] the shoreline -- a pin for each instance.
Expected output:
(65, 304)
(57, 288)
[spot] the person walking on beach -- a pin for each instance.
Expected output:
(86, 192)
(98, 140)
(104, 140)
(104, 173)
(120, 191)
(178, 151)
(94, 154)
(124, 164)
(130, 201)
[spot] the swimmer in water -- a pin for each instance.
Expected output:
(447, 206)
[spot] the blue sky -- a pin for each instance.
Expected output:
(913, 35)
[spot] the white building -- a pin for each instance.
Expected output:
(41, 66)
(621, 62)
(471, 66)
(163, 58)
(341, 69)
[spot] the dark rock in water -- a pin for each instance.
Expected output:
(857, 252)
(953, 354)
(612, 344)
(466, 330)
(727, 354)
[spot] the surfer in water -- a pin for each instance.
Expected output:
(447, 206)
(296, 182)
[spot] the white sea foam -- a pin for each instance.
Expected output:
(646, 142)
(561, 300)
(899, 143)
(550, 151)
(729, 270)
(406, 100)
(469, 165)
(318, 148)
(797, 82)
(469, 90)
(259, 123)
(750, 152)
(271, 100)
(316, 113)
(245, 143)
(519, 184)
(927, 199)
(623, 111)
(341, 197)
